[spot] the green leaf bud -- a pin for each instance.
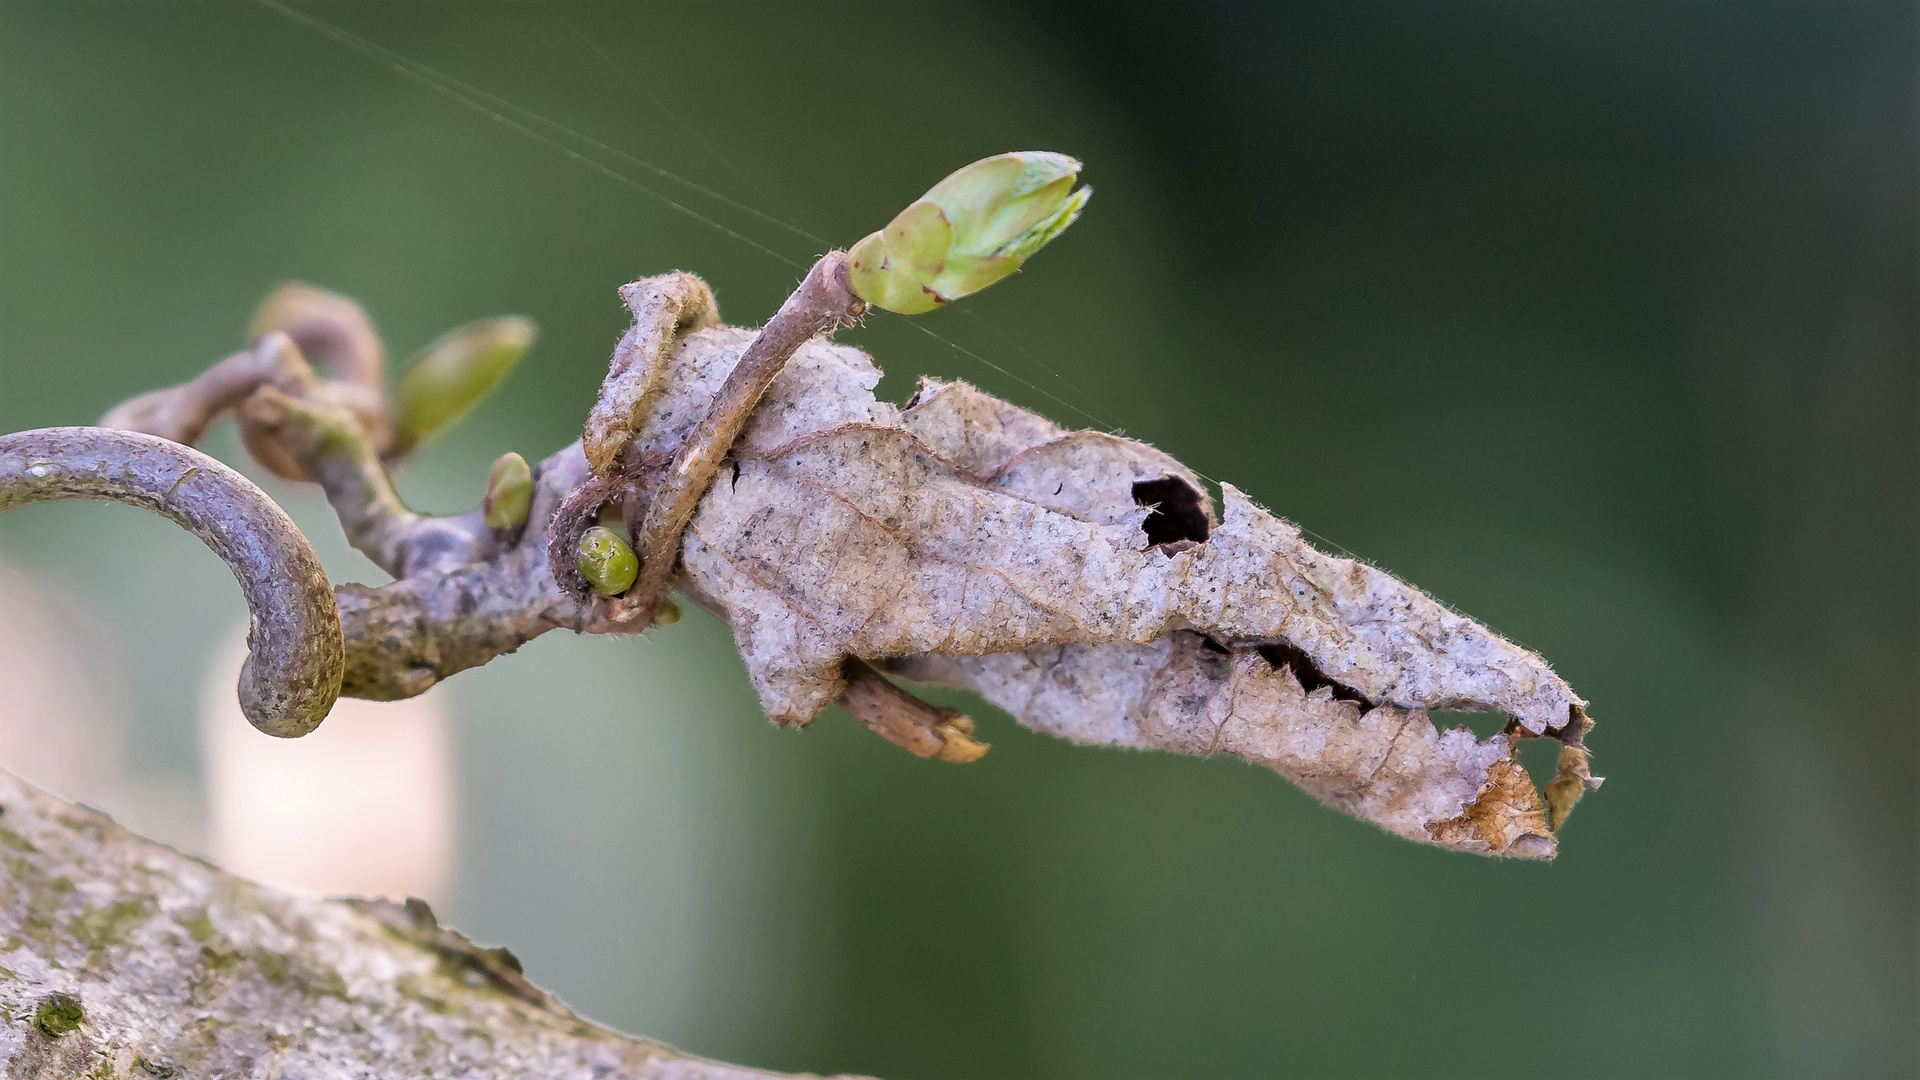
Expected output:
(448, 378)
(972, 229)
(605, 560)
(509, 492)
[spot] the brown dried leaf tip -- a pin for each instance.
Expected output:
(1575, 771)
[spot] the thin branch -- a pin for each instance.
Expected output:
(450, 614)
(292, 675)
(183, 413)
(666, 308)
(327, 443)
(332, 331)
(822, 302)
(919, 728)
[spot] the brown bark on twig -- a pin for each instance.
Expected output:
(295, 655)
(923, 730)
(822, 302)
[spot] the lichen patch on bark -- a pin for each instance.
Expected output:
(122, 958)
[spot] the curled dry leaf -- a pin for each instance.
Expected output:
(1084, 583)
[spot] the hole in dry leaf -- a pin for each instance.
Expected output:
(1177, 513)
(1280, 654)
(1540, 757)
(1484, 725)
(1219, 654)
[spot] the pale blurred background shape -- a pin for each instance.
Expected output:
(364, 806)
(367, 808)
(61, 692)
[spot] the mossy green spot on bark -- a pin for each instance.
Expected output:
(273, 967)
(218, 960)
(58, 1014)
(85, 825)
(200, 926)
(104, 927)
(44, 896)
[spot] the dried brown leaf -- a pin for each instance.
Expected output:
(1084, 583)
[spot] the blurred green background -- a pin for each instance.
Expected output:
(1598, 320)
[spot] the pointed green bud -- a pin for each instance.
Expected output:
(449, 377)
(509, 492)
(972, 229)
(606, 561)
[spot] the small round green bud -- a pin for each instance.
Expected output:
(509, 492)
(668, 614)
(449, 377)
(605, 560)
(972, 229)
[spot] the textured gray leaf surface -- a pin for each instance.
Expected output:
(1086, 584)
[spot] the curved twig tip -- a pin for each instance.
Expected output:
(292, 674)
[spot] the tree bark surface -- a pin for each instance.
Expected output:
(121, 957)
